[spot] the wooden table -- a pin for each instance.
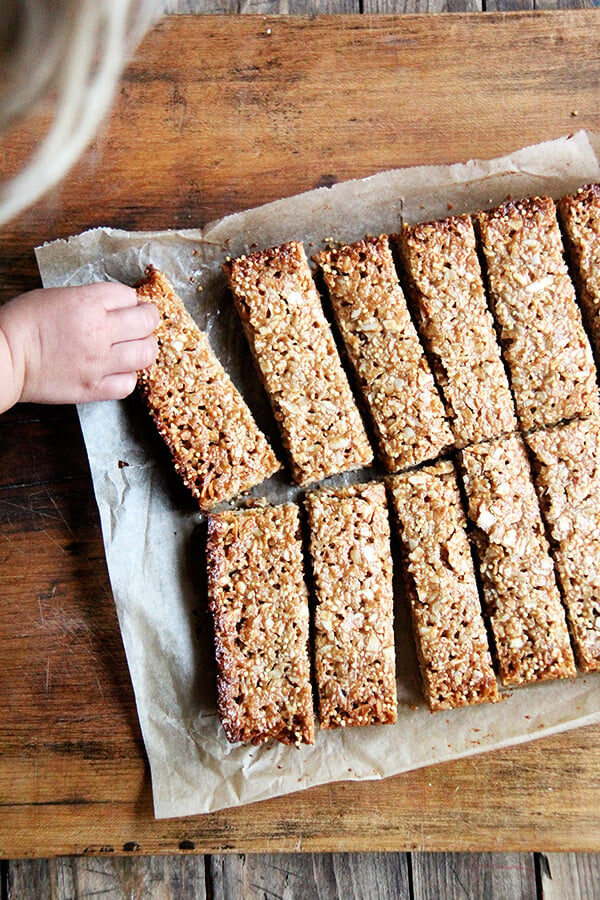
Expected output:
(217, 114)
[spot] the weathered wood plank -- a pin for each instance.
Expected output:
(576, 876)
(508, 5)
(467, 876)
(564, 4)
(261, 7)
(345, 876)
(509, 800)
(191, 7)
(421, 6)
(453, 876)
(84, 878)
(232, 125)
(313, 7)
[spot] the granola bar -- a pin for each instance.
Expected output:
(567, 474)
(215, 444)
(532, 297)
(520, 591)
(298, 361)
(259, 601)
(383, 347)
(458, 329)
(579, 215)
(354, 632)
(450, 634)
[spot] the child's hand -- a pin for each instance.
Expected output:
(74, 344)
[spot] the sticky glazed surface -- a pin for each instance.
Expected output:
(452, 642)
(533, 300)
(298, 361)
(355, 665)
(216, 446)
(259, 602)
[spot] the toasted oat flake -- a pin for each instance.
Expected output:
(215, 443)
(384, 348)
(456, 324)
(354, 631)
(567, 474)
(450, 634)
(532, 297)
(521, 597)
(298, 361)
(259, 602)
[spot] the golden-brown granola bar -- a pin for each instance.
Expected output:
(450, 634)
(458, 329)
(383, 346)
(354, 629)
(298, 361)
(520, 591)
(567, 474)
(579, 215)
(532, 297)
(259, 601)
(215, 444)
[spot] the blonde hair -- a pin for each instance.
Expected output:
(73, 52)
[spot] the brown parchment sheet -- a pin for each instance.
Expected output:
(154, 536)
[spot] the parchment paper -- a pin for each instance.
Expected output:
(154, 536)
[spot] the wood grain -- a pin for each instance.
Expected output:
(142, 878)
(377, 876)
(569, 875)
(332, 876)
(455, 876)
(216, 115)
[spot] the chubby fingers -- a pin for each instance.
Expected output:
(130, 323)
(115, 295)
(134, 346)
(126, 360)
(116, 387)
(131, 356)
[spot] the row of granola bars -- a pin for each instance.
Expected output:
(468, 358)
(468, 372)
(260, 600)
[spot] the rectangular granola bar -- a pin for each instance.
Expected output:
(579, 215)
(450, 634)
(384, 349)
(545, 346)
(520, 591)
(567, 474)
(354, 630)
(259, 601)
(457, 327)
(215, 443)
(298, 361)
